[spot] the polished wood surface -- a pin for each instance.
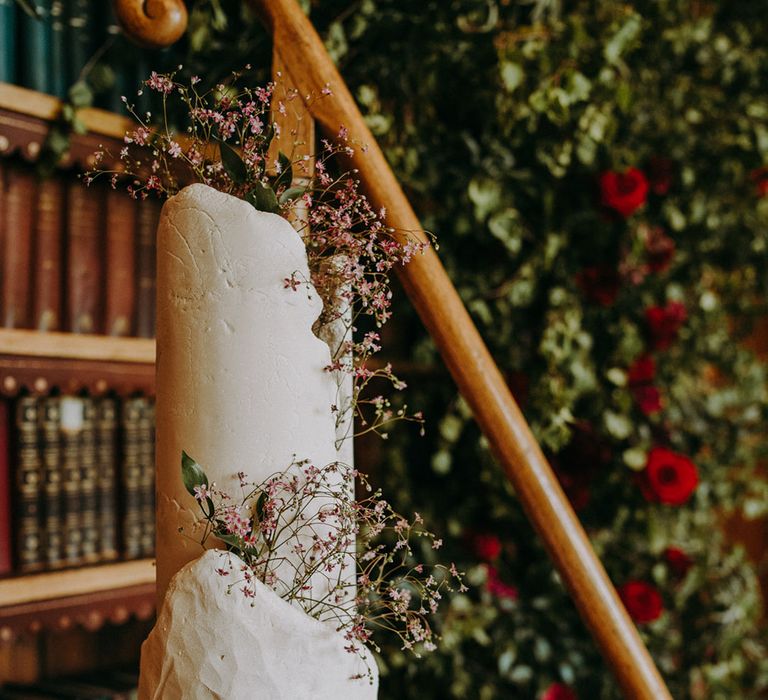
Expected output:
(153, 24)
(90, 579)
(47, 107)
(301, 51)
(29, 343)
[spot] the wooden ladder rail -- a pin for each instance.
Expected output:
(300, 53)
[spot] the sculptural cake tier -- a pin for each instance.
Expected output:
(241, 386)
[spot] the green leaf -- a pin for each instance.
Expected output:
(286, 170)
(260, 505)
(263, 198)
(192, 474)
(290, 194)
(80, 94)
(233, 163)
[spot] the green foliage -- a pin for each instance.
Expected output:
(499, 117)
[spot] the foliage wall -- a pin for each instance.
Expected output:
(594, 174)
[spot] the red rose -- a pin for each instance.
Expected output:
(623, 192)
(486, 547)
(559, 691)
(760, 178)
(641, 374)
(648, 399)
(599, 284)
(678, 561)
(664, 322)
(642, 601)
(660, 174)
(496, 587)
(642, 370)
(670, 477)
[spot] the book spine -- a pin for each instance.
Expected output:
(146, 242)
(6, 487)
(106, 447)
(36, 48)
(19, 201)
(53, 528)
(48, 253)
(89, 499)
(85, 217)
(71, 427)
(28, 486)
(78, 16)
(147, 477)
(8, 41)
(120, 267)
(131, 479)
(59, 50)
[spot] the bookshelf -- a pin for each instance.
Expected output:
(33, 361)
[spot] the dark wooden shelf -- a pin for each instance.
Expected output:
(89, 597)
(36, 361)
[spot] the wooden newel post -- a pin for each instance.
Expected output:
(302, 53)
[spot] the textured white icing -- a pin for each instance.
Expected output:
(240, 380)
(241, 386)
(208, 645)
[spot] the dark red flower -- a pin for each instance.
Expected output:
(642, 370)
(599, 283)
(486, 547)
(760, 177)
(496, 587)
(659, 248)
(678, 561)
(642, 601)
(664, 322)
(648, 399)
(670, 477)
(559, 691)
(623, 192)
(660, 174)
(641, 374)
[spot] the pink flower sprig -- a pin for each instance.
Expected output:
(226, 144)
(296, 532)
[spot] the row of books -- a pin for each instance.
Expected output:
(119, 684)
(79, 471)
(49, 53)
(75, 258)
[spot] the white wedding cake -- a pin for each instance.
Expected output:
(241, 387)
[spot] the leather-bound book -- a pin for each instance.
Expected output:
(53, 520)
(6, 487)
(85, 227)
(8, 33)
(146, 251)
(106, 458)
(89, 500)
(29, 477)
(19, 194)
(130, 478)
(35, 64)
(71, 427)
(147, 476)
(48, 255)
(120, 268)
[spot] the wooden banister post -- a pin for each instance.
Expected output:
(302, 53)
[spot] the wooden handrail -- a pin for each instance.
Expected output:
(435, 298)
(302, 55)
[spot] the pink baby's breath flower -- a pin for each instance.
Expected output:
(160, 83)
